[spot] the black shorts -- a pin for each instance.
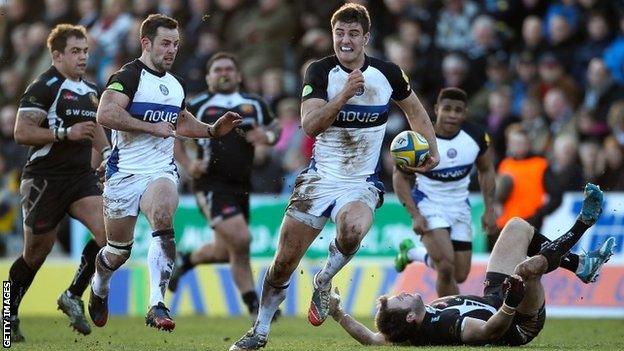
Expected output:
(221, 205)
(45, 201)
(524, 327)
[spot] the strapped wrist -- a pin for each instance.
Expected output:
(512, 309)
(211, 131)
(271, 137)
(60, 134)
(106, 152)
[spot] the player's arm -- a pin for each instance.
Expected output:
(419, 121)
(487, 183)
(190, 127)
(317, 111)
(356, 329)
(112, 114)
(28, 130)
(402, 183)
(478, 331)
(101, 148)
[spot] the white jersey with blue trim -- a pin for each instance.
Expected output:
(448, 182)
(154, 97)
(350, 149)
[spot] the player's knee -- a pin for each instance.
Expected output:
(461, 276)
(516, 225)
(445, 269)
(350, 236)
(117, 253)
(530, 268)
(241, 244)
(162, 218)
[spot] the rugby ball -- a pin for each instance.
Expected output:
(409, 148)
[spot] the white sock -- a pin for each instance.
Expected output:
(100, 283)
(581, 264)
(160, 260)
(335, 261)
(419, 254)
(271, 298)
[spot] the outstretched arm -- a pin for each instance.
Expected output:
(487, 183)
(191, 127)
(402, 183)
(356, 329)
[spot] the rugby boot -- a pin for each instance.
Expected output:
(159, 318)
(319, 306)
(73, 307)
(401, 260)
(98, 309)
(250, 341)
(16, 333)
(593, 261)
(592, 204)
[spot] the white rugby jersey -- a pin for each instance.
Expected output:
(154, 97)
(350, 149)
(448, 182)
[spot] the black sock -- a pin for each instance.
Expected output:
(186, 262)
(85, 269)
(570, 261)
(554, 251)
(20, 276)
(250, 299)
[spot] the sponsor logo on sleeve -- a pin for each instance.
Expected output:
(115, 86)
(307, 90)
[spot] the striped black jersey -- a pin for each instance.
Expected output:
(229, 159)
(65, 103)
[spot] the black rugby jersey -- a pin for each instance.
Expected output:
(65, 103)
(443, 320)
(229, 158)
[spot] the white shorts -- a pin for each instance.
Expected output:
(456, 218)
(123, 191)
(316, 199)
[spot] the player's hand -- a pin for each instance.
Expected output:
(334, 305)
(101, 170)
(355, 82)
(163, 130)
(226, 123)
(81, 131)
(197, 168)
(488, 221)
(514, 289)
(257, 136)
(419, 224)
(430, 163)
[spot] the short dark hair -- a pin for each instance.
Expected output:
(57, 39)
(222, 55)
(452, 94)
(350, 13)
(392, 323)
(150, 25)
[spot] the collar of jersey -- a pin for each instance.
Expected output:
(366, 63)
(449, 138)
(58, 73)
(144, 66)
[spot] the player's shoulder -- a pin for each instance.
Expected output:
(251, 96)
(388, 68)
(199, 100)
(91, 85)
(475, 131)
(178, 78)
(324, 64)
(48, 80)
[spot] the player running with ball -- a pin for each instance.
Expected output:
(345, 106)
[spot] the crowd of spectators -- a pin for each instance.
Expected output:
(556, 68)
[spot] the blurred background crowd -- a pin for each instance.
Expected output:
(552, 69)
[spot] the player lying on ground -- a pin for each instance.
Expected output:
(512, 308)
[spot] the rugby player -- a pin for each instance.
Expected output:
(512, 309)
(345, 105)
(56, 117)
(144, 106)
(222, 173)
(437, 200)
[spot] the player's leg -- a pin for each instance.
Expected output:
(440, 250)
(88, 209)
(159, 203)
(42, 210)
(463, 261)
(23, 271)
(295, 238)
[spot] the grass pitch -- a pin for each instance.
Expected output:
(203, 333)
